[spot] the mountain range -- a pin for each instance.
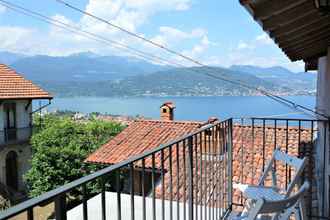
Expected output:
(281, 76)
(89, 74)
(81, 67)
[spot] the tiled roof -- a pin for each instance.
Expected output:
(140, 136)
(247, 160)
(14, 86)
(247, 152)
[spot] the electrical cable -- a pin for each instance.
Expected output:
(144, 54)
(268, 94)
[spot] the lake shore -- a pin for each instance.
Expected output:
(187, 108)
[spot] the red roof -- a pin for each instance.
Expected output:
(14, 86)
(144, 135)
(247, 160)
(140, 136)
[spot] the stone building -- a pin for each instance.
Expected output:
(16, 96)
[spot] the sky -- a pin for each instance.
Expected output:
(219, 33)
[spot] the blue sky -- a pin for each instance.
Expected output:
(216, 32)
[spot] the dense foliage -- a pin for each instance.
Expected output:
(60, 148)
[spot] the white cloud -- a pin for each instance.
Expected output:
(200, 48)
(129, 14)
(194, 43)
(15, 38)
(243, 45)
(132, 15)
(260, 51)
(236, 57)
(171, 32)
(178, 5)
(264, 39)
(172, 37)
(2, 9)
(260, 41)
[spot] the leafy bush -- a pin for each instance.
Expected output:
(60, 148)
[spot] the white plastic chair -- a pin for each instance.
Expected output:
(277, 209)
(255, 192)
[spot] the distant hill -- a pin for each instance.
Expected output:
(281, 76)
(82, 67)
(9, 58)
(89, 74)
(174, 82)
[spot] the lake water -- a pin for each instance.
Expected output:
(187, 108)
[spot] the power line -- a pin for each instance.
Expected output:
(130, 33)
(137, 52)
(101, 39)
(268, 94)
(81, 32)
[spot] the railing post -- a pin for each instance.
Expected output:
(190, 179)
(230, 162)
(60, 207)
(30, 214)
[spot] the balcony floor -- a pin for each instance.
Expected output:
(95, 213)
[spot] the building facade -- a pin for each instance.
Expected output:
(16, 97)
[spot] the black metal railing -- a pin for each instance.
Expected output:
(190, 178)
(253, 144)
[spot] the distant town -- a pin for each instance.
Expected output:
(132, 77)
(79, 116)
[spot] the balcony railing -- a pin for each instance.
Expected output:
(256, 138)
(190, 178)
(15, 135)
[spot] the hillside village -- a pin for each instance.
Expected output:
(133, 77)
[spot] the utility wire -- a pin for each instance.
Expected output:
(81, 32)
(123, 46)
(140, 53)
(130, 33)
(268, 94)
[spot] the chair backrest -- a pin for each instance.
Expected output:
(296, 163)
(279, 207)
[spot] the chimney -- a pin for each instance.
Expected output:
(212, 120)
(167, 111)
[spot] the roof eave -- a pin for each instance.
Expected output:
(26, 98)
(296, 26)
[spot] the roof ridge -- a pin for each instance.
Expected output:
(13, 85)
(169, 122)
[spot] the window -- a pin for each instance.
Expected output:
(10, 120)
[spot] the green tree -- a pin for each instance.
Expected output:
(60, 148)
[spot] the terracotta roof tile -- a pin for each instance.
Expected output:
(141, 136)
(247, 160)
(14, 86)
(248, 155)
